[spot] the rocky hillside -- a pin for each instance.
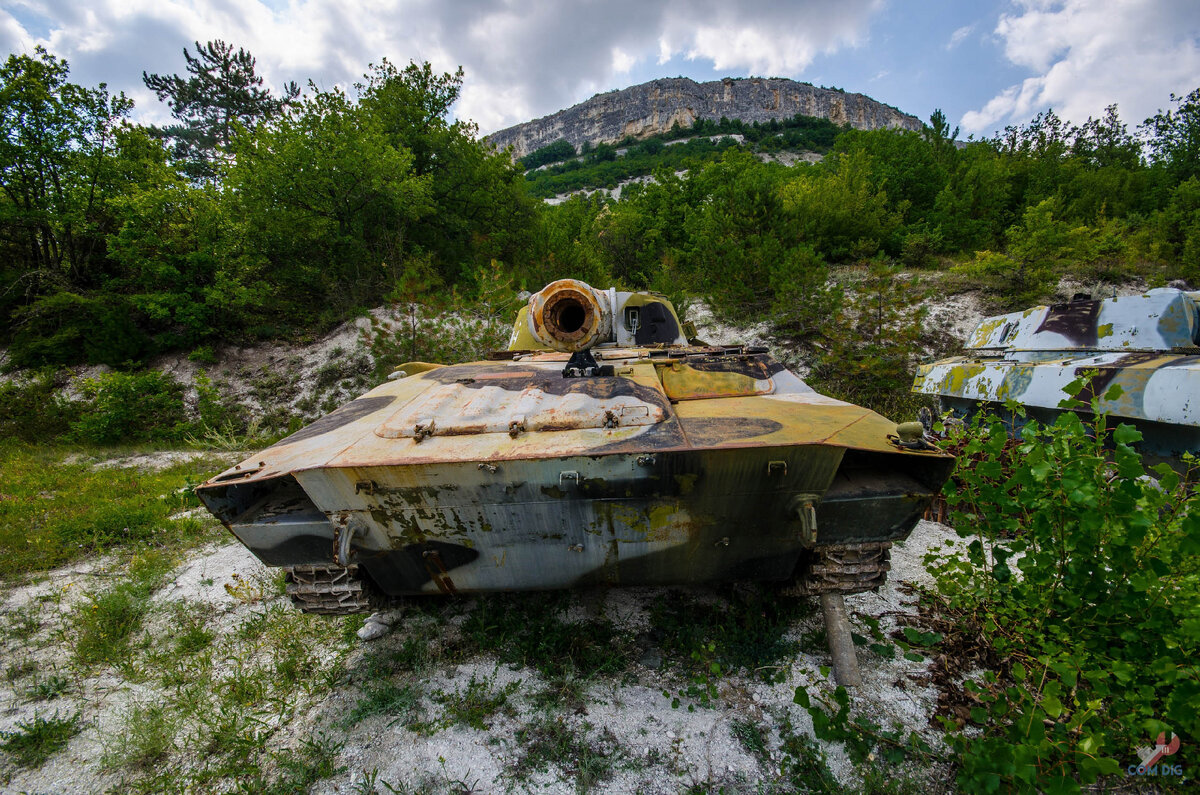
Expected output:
(658, 105)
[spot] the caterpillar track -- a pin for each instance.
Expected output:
(843, 569)
(332, 590)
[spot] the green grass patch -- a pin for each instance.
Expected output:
(18, 669)
(225, 696)
(529, 629)
(751, 735)
(299, 769)
(103, 625)
(386, 698)
(49, 688)
(147, 738)
(36, 740)
(23, 623)
(194, 635)
(53, 512)
(551, 742)
(476, 703)
(745, 629)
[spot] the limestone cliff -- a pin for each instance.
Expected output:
(654, 107)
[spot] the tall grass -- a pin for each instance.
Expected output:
(53, 511)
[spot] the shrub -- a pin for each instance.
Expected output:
(1084, 583)
(920, 246)
(1015, 284)
(130, 406)
(56, 328)
(32, 410)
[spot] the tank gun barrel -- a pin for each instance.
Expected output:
(569, 315)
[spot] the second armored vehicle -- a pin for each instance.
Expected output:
(1146, 344)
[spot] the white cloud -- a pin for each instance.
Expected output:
(1088, 54)
(14, 37)
(622, 61)
(521, 59)
(956, 38)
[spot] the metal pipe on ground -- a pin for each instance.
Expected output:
(841, 642)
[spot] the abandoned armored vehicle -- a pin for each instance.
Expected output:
(601, 448)
(1145, 344)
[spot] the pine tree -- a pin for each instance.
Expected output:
(222, 92)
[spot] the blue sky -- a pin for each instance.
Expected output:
(986, 63)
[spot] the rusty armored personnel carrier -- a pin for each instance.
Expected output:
(1147, 344)
(602, 448)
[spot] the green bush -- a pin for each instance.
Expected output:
(838, 211)
(1083, 581)
(66, 327)
(32, 410)
(120, 407)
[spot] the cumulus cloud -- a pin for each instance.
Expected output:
(521, 59)
(1088, 54)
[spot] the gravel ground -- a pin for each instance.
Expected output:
(650, 745)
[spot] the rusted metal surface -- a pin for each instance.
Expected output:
(609, 317)
(330, 590)
(845, 569)
(568, 315)
(1146, 345)
(687, 464)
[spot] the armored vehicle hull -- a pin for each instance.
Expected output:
(1146, 345)
(654, 463)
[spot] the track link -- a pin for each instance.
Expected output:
(843, 569)
(331, 590)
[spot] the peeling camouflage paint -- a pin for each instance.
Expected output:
(685, 465)
(1147, 345)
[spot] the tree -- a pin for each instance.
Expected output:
(940, 137)
(839, 212)
(736, 230)
(872, 342)
(57, 146)
(480, 207)
(325, 203)
(556, 152)
(972, 210)
(1106, 142)
(903, 163)
(222, 93)
(1174, 137)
